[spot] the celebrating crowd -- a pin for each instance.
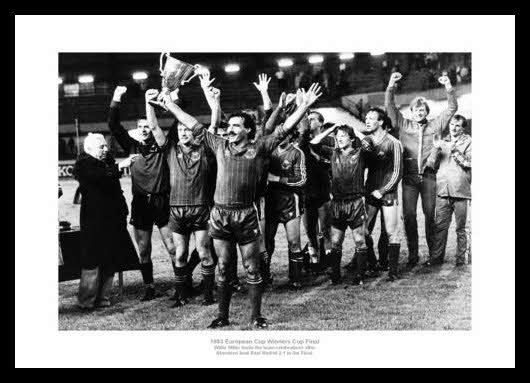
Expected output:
(230, 184)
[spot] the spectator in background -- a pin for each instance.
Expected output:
(305, 81)
(282, 81)
(297, 79)
(62, 147)
(71, 146)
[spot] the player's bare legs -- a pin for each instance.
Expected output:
(251, 262)
(225, 259)
(265, 254)
(202, 244)
(167, 238)
(292, 230)
(181, 271)
(324, 219)
(359, 234)
(337, 237)
(143, 241)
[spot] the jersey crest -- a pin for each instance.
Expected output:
(250, 153)
(195, 156)
(286, 165)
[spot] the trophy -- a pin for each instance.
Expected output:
(174, 74)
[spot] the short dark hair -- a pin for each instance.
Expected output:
(461, 118)
(248, 123)
(346, 129)
(320, 116)
(382, 116)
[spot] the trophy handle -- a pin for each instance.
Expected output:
(161, 68)
(195, 74)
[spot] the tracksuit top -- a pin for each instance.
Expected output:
(454, 168)
(289, 164)
(417, 138)
(385, 165)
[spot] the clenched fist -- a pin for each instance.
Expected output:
(394, 77)
(151, 94)
(444, 80)
(118, 92)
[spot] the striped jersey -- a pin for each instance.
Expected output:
(238, 169)
(191, 175)
(288, 163)
(385, 165)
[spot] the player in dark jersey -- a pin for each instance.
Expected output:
(150, 186)
(348, 164)
(385, 170)
(283, 202)
(192, 169)
(233, 217)
(317, 212)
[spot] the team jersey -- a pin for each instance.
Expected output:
(149, 171)
(191, 175)
(385, 165)
(347, 171)
(288, 163)
(318, 184)
(238, 169)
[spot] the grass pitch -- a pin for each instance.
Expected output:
(422, 299)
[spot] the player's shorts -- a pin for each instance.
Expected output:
(188, 219)
(282, 206)
(238, 224)
(346, 213)
(148, 210)
(315, 203)
(389, 199)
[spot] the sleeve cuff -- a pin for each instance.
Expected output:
(115, 104)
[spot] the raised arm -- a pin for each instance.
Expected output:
(263, 88)
(198, 130)
(440, 122)
(319, 137)
(308, 99)
(115, 127)
(158, 133)
(183, 117)
(271, 122)
(390, 102)
(214, 95)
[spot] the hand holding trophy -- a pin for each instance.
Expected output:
(174, 74)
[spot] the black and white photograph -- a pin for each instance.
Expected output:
(263, 204)
(218, 186)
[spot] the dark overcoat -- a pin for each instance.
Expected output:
(105, 241)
